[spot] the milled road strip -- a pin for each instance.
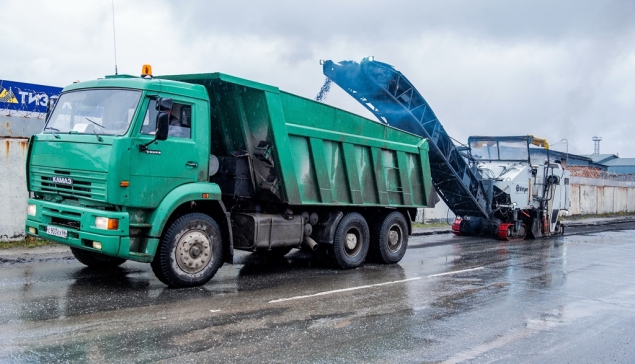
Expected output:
(370, 286)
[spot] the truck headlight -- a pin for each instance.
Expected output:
(31, 210)
(106, 223)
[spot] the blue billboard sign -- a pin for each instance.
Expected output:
(26, 97)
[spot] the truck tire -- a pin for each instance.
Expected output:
(96, 260)
(389, 238)
(350, 244)
(190, 252)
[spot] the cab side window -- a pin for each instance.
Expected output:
(180, 120)
(150, 121)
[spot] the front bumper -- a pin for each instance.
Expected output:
(79, 222)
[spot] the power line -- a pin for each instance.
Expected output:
(576, 149)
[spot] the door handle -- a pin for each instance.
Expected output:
(191, 164)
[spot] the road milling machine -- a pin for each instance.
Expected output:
(504, 186)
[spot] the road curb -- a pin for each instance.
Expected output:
(434, 232)
(567, 224)
(599, 222)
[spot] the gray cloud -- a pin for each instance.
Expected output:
(562, 69)
(373, 19)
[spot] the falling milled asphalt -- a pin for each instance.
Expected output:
(569, 299)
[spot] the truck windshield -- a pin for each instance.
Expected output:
(103, 112)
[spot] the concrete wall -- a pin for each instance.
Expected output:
(439, 213)
(19, 125)
(13, 192)
(589, 196)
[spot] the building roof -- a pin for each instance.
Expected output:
(571, 158)
(620, 162)
(601, 158)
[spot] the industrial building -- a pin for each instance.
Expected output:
(610, 163)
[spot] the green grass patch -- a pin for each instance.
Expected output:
(440, 224)
(593, 216)
(28, 242)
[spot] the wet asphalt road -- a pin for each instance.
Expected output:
(569, 299)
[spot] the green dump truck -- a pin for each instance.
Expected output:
(179, 171)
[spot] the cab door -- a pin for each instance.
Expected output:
(163, 165)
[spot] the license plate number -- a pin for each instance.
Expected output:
(52, 230)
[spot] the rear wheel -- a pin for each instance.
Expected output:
(350, 245)
(559, 230)
(389, 238)
(96, 260)
(190, 252)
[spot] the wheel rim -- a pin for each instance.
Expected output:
(352, 244)
(193, 251)
(395, 238)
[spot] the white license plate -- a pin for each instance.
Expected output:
(52, 230)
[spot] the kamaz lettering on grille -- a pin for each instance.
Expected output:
(62, 180)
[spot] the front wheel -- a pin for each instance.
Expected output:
(96, 260)
(190, 252)
(350, 245)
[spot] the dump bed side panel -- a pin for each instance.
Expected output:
(278, 147)
(341, 158)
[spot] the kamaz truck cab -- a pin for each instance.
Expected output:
(104, 177)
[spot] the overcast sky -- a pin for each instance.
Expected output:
(555, 69)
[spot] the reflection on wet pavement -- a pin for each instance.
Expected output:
(470, 299)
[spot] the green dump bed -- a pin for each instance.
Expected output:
(277, 147)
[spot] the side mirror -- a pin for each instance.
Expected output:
(50, 105)
(163, 125)
(164, 104)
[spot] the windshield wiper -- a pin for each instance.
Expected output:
(99, 138)
(53, 130)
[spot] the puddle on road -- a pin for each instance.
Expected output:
(562, 316)
(131, 307)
